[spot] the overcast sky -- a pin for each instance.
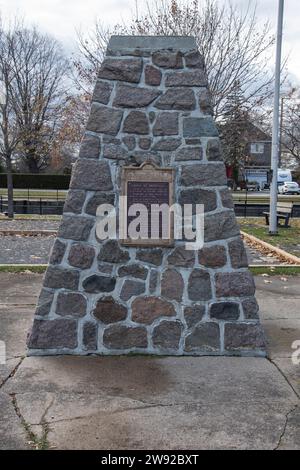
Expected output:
(62, 17)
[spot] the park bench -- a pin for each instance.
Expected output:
(284, 211)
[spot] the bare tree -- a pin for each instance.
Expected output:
(235, 46)
(290, 126)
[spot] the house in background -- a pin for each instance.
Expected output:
(258, 152)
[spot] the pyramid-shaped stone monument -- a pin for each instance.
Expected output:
(151, 137)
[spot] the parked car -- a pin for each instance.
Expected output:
(289, 188)
(253, 186)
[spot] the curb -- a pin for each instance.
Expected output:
(277, 251)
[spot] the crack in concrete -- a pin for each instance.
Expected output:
(33, 440)
(287, 417)
(13, 372)
(284, 376)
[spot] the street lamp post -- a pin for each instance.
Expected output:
(275, 134)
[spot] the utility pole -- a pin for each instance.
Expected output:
(275, 134)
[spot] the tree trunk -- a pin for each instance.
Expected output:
(10, 188)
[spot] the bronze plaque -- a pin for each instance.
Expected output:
(148, 185)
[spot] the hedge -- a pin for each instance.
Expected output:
(36, 181)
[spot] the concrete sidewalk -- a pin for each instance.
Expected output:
(146, 402)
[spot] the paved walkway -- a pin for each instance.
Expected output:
(145, 402)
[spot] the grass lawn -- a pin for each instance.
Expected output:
(288, 239)
(32, 217)
(36, 194)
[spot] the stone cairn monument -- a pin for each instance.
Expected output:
(151, 109)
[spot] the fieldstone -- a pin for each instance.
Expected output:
(134, 97)
(57, 252)
(81, 255)
(205, 338)
(53, 334)
(150, 255)
(97, 200)
(107, 310)
(152, 75)
(193, 59)
(167, 59)
(189, 153)
(105, 268)
(194, 315)
(136, 123)
(181, 257)
(187, 78)
(225, 311)
(126, 70)
(167, 144)
(167, 335)
(131, 289)
(71, 303)
(129, 141)
(114, 152)
(125, 337)
(75, 227)
(250, 308)
(238, 255)
(199, 285)
(172, 285)
(145, 143)
(44, 302)
(95, 284)
(214, 150)
(199, 127)
(178, 99)
(205, 101)
(226, 198)
(213, 256)
(134, 270)
(108, 139)
(139, 157)
(147, 309)
(102, 92)
(91, 175)
(111, 252)
(74, 201)
(90, 147)
(244, 336)
(153, 281)
(89, 336)
(203, 174)
(236, 284)
(61, 278)
(220, 226)
(166, 124)
(104, 120)
(193, 141)
(199, 196)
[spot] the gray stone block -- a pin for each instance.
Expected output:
(134, 97)
(147, 309)
(194, 315)
(131, 289)
(213, 256)
(225, 311)
(91, 175)
(152, 75)
(167, 59)
(53, 334)
(214, 151)
(199, 127)
(205, 338)
(133, 270)
(74, 201)
(189, 153)
(71, 303)
(81, 255)
(150, 255)
(114, 152)
(105, 120)
(244, 336)
(181, 99)
(180, 257)
(172, 285)
(250, 308)
(125, 337)
(199, 285)
(111, 252)
(75, 227)
(90, 147)
(167, 144)
(61, 278)
(236, 284)
(95, 284)
(238, 255)
(89, 336)
(204, 174)
(199, 196)
(193, 59)
(193, 78)
(97, 200)
(166, 124)
(126, 70)
(107, 311)
(136, 123)
(220, 226)
(167, 335)
(57, 252)
(102, 92)
(44, 302)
